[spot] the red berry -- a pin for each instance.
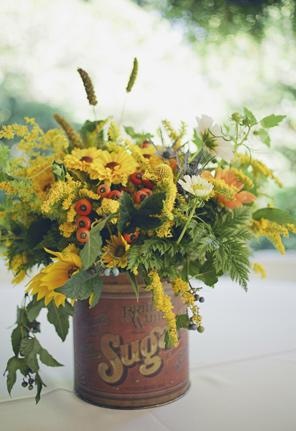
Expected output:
(83, 207)
(103, 190)
(131, 237)
(83, 222)
(140, 195)
(148, 184)
(82, 235)
(115, 194)
(145, 144)
(136, 178)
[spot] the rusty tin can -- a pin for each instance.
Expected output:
(119, 350)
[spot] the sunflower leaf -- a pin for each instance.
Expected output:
(77, 286)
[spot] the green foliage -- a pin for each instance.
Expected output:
(92, 248)
(79, 285)
(250, 117)
(59, 318)
(274, 214)
(216, 20)
(263, 135)
(182, 321)
(146, 216)
(271, 120)
(138, 137)
(27, 349)
(59, 171)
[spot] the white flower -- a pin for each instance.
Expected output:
(223, 149)
(196, 185)
(204, 123)
(219, 146)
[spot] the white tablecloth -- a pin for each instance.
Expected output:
(243, 368)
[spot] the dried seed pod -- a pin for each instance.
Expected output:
(133, 76)
(72, 135)
(88, 86)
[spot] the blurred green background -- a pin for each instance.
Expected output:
(195, 57)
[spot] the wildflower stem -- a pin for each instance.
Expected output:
(192, 212)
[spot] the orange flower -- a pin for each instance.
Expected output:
(241, 197)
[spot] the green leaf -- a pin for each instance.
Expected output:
(59, 317)
(33, 309)
(47, 359)
(271, 120)
(250, 117)
(16, 338)
(182, 321)
(76, 287)
(39, 383)
(263, 135)
(145, 217)
(59, 171)
(12, 366)
(29, 348)
(134, 284)
(92, 248)
(274, 214)
(95, 286)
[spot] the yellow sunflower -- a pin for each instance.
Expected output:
(115, 252)
(55, 275)
(115, 166)
(83, 160)
(41, 176)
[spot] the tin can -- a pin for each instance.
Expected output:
(119, 350)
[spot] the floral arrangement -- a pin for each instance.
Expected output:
(110, 200)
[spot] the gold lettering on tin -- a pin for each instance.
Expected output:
(119, 355)
(113, 371)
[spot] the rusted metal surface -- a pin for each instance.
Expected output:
(120, 357)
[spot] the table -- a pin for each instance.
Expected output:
(243, 368)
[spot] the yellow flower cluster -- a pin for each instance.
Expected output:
(63, 192)
(273, 231)
(259, 269)
(16, 265)
(259, 168)
(162, 302)
(108, 206)
(7, 187)
(224, 189)
(164, 177)
(181, 288)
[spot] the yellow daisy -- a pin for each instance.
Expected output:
(115, 252)
(83, 160)
(114, 167)
(55, 275)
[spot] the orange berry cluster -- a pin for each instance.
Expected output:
(83, 208)
(140, 190)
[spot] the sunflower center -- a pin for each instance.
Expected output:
(119, 251)
(47, 187)
(111, 165)
(86, 159)
(71, 271)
